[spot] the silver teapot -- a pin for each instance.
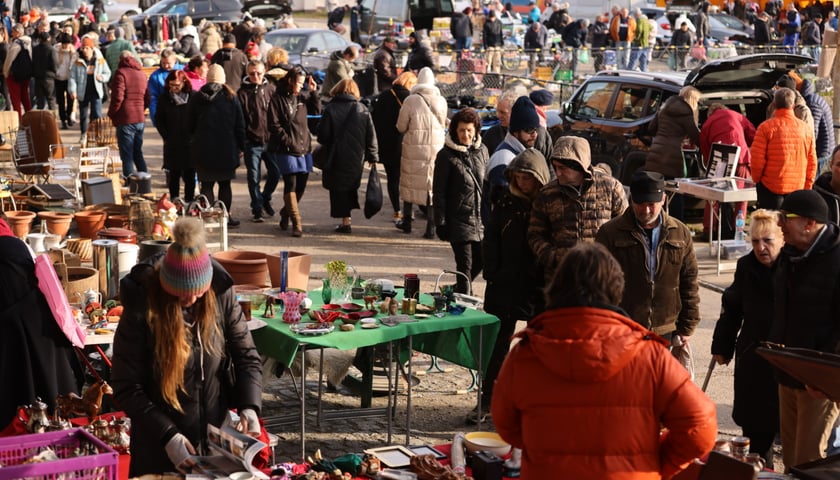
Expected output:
(38, 420)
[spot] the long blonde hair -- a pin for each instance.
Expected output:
(173, 339)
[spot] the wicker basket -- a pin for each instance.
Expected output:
(81, 456)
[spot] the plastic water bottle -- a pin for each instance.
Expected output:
(740, 222)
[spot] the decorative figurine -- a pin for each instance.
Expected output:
(269, 307)
(88, 404)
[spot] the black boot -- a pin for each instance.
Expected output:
(430, 223)
(405, 223)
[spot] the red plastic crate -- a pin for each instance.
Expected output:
(81, 456)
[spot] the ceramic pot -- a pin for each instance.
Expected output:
(246, 267)
(298, 270)
(57, 222)
(121, 235)
(150, 248)
(90, 222)
(20, 222)
(116, 221)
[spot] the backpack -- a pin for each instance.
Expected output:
(21, 68)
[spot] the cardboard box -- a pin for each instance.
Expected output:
(299, 265)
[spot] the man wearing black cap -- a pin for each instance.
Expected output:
(572, 207)
(232, 60)
(384, 64)
(657, 255)
(800, 108)
(806, 299)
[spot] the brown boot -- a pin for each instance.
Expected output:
(294, 214)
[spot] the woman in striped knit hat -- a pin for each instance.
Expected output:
(180, 323)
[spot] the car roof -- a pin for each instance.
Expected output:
(673, 79)
(296, 31)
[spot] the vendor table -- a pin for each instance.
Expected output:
(461, 339)
(717, 191)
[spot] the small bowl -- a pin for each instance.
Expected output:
(351, 307)
(351, 318)
(331, 306)
(486, 441)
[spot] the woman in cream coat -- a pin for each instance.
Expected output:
(422, 122)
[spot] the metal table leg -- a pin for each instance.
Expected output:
(408, 399)
(302, 401)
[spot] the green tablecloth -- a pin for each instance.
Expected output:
(454, 338)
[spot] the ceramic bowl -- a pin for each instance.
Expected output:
(486, 441)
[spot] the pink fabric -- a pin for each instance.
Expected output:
(5, 231)
(50, 286)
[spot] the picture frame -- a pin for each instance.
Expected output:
(393, 456)
(427, 450)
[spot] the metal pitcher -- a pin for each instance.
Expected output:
(38, 420)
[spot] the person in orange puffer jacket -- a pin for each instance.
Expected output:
(612, 402)
(784, 154)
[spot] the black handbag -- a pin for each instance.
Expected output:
(373, 195)
(320, 156)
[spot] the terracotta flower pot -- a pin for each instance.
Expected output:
(121, 235)
(57, 222)
(90, 222)
(298, 272)
(20, 222)
(117, 221)
(246, 267)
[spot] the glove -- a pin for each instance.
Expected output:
(248, 421)
(180, 451)
(442, 232)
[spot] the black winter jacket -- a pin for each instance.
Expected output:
(218, 130)
(233, 62)
(744, 323)
(44, 61)
(574, 35)
(385, 116)
(288, 130)
(492, 33)
(173, 123)
(461, 26)
(136, 384)
(255, 100)
(458, 177)
(823, 119)
(600, 34)
(514, 280)
(419, 56)
(823, 187)
(347, 130)
(806, 303)
(385, 67)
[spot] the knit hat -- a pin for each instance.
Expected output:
(185, 270)
(216, 74)
(88, 42)
(646, 187)
(806, 203)
(786, 81)
(542, 98)
(523, 115)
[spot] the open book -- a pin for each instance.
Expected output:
(233, 452)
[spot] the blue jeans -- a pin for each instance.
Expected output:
(639, 55)
(130, 141)
(95, 107)
(253, 158)
(622, 54)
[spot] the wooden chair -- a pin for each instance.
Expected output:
(26, 163)
(64, 167)
(95, 161)
(101, 133)
(9, 125)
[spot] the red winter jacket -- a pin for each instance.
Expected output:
(729, 127)
(586, 394)
(128, 93)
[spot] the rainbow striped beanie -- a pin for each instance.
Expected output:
(186, 270)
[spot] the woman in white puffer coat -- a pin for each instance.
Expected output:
(422, 122)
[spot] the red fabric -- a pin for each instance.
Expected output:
(729, 127)
(164, 27)
(19, 94)
(17, 427)
(128, 93)
(5, 231)
(263, 459)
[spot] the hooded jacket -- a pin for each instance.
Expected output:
(115, 49)
(136, 384)
(674, 122)
(606, 387)
(128, 93)
(255, 100)
(806, 298)
(233, 62)
(783, 154)
(422, 121)
(287, 124)
(823, 119)
(563, 215)
(173, 123)
(337, 70)
(669, 301)
(514, 279)
(458, 179)
(823, 187)
(347, 130)
(729, 127)
(419, 55)
(461, 25)
(77, 85)
(218, 131)
(385, 67)
(44, 61)
(211, 40)
(15, 46)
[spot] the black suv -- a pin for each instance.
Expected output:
(613, 109)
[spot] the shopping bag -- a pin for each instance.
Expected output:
(51, 287)
(672, 60)
(583, 55)
(681, 350)
(373, 195)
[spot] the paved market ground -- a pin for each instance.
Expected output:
(378, 250)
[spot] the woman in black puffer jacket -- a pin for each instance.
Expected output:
(346, 130)
(456, 193)
(172, 120)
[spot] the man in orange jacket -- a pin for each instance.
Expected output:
(784, 157)
(622, 31)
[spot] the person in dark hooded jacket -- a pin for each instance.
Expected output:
(347, 130)
(419, 55)
(232, 60)
(44, 67)
(456, 190)
(187, 47)
(127, 110)
(823, 123)
(180, 320)
(514, 280)
(218, 136)
(828, 186)
(339, 68)
(172, 120)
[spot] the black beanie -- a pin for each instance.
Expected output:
(523, 115)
